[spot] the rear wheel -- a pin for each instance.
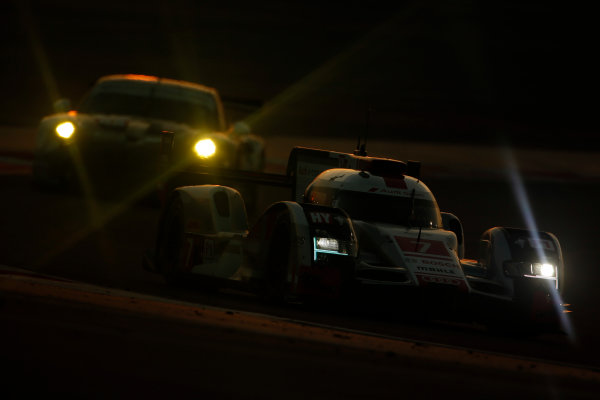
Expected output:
(170, 242)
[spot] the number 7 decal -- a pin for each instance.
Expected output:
(421, 247)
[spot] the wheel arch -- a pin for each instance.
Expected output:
(507, 245)
(197, 210)
(259, 246)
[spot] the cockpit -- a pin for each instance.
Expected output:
(377, 207)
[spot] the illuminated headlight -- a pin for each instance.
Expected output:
(65, 129)
(205, 148)
(329, 244)
(326, 245)
(518, 269)
(543, 269)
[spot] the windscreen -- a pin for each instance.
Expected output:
(405, 211)
(195, 108)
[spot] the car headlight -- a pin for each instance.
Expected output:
(543, 269)
(327, 245)
(205, 148)
(65, 129)
(536, 269)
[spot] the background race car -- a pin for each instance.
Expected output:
(359, 229)
(136, 130)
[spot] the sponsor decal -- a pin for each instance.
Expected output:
(395, 192)
(438, 270)
(318, 217)
(422, 247)
(432, 265)
(398, 183)
(536, 243)
(426, 279)
(392, 191)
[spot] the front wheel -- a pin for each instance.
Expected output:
(278, 261)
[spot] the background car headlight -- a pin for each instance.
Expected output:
(65, 129)
(205, 148)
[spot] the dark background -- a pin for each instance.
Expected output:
(473, 71)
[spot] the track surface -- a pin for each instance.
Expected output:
(63, 235)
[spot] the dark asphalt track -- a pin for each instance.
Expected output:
(75, 340)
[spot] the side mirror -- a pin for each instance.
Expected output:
(484, 252)
(62, 105)
(453, 224)
(240, 128)
(166, 144)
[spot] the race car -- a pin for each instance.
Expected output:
(358, 227)
(126, 124)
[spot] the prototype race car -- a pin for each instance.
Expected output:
(122, 126)
(357, 227)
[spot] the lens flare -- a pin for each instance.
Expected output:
(523, 202)
(65, 130)
(546, 270)
(205, 148)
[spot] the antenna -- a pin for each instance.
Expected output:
(361, 149)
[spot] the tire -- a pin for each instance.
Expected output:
(278, 261)
(170, 243)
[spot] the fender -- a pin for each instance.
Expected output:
(214, 224)
(309, 272)
(334, 249)
(511, 251)
(260, 240)
(210, 209)
(514, 258)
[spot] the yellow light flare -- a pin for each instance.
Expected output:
(205, 148)
(65, 129)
